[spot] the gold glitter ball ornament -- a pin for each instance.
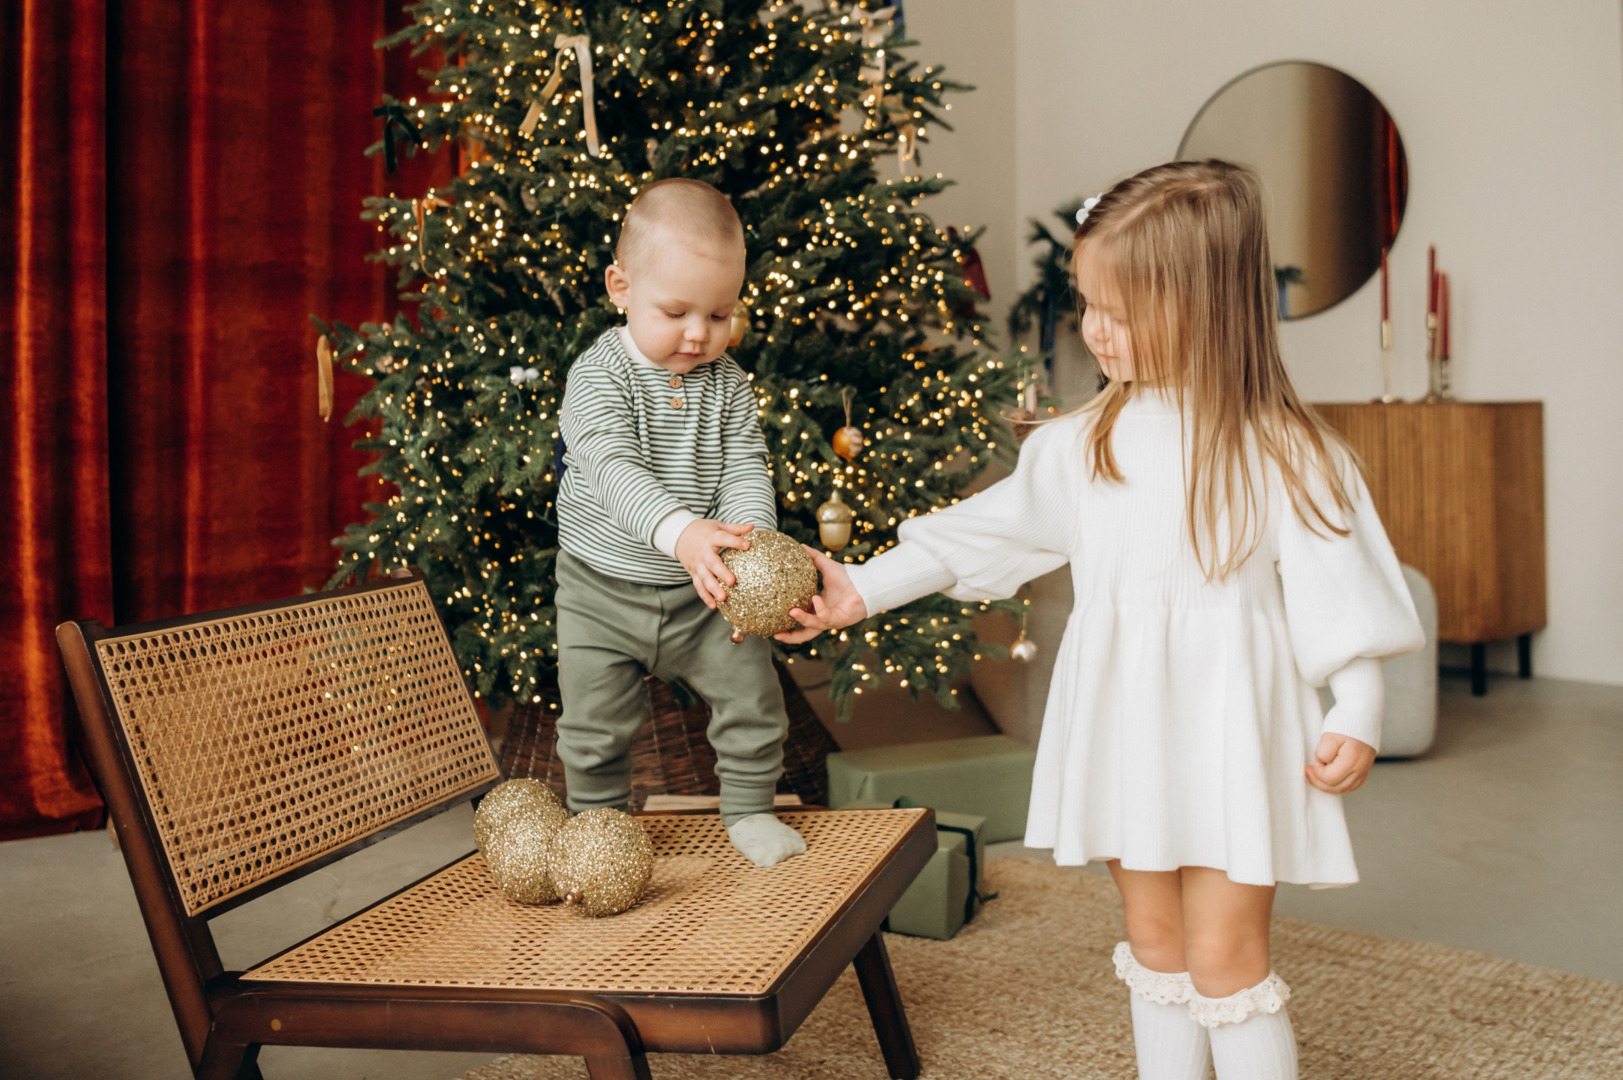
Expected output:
(515, 829)
(774, 575)
(508, 801)
(602, 861)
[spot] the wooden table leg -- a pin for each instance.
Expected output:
(225, 1062)
(1524, 656)
(885, 1006)
(1479, 669)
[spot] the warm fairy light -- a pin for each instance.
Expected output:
(853, 290)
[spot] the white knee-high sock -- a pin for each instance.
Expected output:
(1169, 1043)
(1250, 1031)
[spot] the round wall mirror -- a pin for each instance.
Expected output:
(1331, 159)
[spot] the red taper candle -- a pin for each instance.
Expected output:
(1386, 288)
(1442, 315)
(1431, 280)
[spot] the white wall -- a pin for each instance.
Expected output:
(1512, 118)
(974, 41)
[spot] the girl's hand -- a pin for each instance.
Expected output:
(696, 551)
(838, 605)
(1341, 764)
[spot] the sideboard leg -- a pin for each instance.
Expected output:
(1479, 669)
(1524, 656)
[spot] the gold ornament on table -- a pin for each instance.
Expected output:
(602, 861)
(515, 830)
(773, 576)
(834, 522)
(848, 440)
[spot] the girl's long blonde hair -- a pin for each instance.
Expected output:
(1186, 247)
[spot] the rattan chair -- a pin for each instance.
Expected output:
(241, 749)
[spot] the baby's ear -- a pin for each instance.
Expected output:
(615, 280)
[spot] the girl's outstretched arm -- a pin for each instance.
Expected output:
(838, 605)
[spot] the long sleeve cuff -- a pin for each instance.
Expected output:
(1360, 692)
(669, 530)
(905, 572)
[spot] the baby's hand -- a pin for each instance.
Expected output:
(1341, 763)
(839, 604)
(696, 551)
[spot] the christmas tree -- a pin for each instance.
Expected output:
(853, 299)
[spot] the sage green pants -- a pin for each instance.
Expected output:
(612, 632)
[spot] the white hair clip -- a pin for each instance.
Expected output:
(1087, 205)
(521, 375)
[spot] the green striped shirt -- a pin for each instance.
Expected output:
(643, 444)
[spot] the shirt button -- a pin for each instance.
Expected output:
(676, 381)
(676, 403)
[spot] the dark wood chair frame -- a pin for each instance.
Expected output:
(224, 1018)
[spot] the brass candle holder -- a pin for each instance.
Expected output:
(1437, 380)
(1387, 397)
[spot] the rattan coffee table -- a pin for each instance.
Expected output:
(239, 750)
(720, 957)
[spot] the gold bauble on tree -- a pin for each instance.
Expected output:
(740, 323)
(602, 861)
(1023, 649)
(834, 522)
(514, 830)
(773, 576)
(848, 440)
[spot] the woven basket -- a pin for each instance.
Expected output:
(671, 754)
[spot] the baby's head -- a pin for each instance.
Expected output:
(1174, 269)
(679, 268)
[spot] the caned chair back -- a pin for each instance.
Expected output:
(265, 740)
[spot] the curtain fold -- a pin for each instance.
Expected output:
(183, 203)
(54, 534)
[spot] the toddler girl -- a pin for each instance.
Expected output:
(1226, 561)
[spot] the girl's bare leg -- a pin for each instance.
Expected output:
(1170, 1044)
(1153, 901)
(1237, 997)
(1225, 931)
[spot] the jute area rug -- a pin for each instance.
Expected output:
(1027, 991)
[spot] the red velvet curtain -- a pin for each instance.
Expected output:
(54, 536)
(186, 178)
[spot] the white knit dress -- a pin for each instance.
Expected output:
(1182, 712)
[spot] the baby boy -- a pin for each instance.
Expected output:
(665, 463)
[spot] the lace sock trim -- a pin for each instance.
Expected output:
(1161, 987)
(1268, 996)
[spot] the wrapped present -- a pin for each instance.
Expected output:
(988, 776)
(947, 892)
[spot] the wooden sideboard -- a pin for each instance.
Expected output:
(1460, 488)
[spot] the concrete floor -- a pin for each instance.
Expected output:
(1505, 839)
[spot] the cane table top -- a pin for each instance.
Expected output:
(711, 923)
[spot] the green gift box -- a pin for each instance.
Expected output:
(947, 892)
(988, 776)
